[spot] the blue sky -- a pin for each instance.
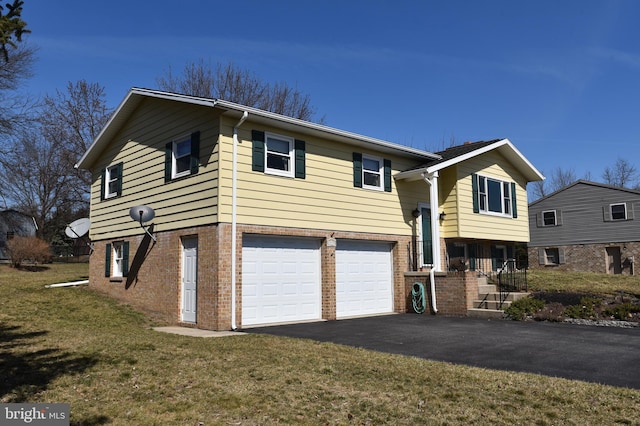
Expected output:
(559, 78)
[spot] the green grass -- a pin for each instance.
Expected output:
(583, 282)
(75, 346)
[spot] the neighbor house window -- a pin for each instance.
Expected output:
(371, 172)
(551, 256)
(111, 184)
(493, 196)
(117, 259)
(278, 155)
(549, 218)
(182, 157)
(618, 211)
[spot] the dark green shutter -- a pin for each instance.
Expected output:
(195, 152)
(107, 260)
(357, 170)
(475, 194)
(300, 154)
(387, 175)
(103, 178)
(514, 203)
(494, 258)
(168, 156)
(125, 258)
(257, 158)
(119, 179)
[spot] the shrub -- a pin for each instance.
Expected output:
(28, 249)
(586, 309)
(623, 311)
(521, 308)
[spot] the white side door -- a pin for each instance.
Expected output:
(189, 279)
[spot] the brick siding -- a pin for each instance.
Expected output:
(153, 283)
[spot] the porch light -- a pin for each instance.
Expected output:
(415, 213)
(442, 215)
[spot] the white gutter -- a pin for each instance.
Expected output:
(432, 180)
(234, 225)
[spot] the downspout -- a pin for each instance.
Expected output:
(234, 224)
(432, 180)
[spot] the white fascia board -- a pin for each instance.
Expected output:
(134, 96)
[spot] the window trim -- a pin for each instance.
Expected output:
(111, 175)
(484, 196)
(626, 214)
(174, 156)
(291, 156)
(379, 173)
(117, 259)
(555, 218)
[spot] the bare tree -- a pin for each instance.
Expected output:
(38, 165)
(623, 174)
(71, 120)
(35, 177)
(240, 86)
(562, 177)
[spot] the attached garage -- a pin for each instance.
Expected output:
(281, 280)
(364, 278)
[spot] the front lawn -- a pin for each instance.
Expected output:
(75, 346)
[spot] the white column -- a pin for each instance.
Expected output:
(432, 179)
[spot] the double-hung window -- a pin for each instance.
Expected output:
(372, 171)
(493, 196)
(549, 218)
(111, 184)
(117, 259)
(182, 157)
(279, 155)
(618, 211)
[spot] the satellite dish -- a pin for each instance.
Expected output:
(142, 214)
(78, 228)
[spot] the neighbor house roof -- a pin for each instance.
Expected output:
(589, 183)
(137, 95)
(468, 150)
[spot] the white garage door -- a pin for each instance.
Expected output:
(280, 280)
(364, 278)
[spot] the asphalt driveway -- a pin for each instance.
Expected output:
(606, 355)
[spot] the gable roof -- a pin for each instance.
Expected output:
(136, 95)
(585, 182)
(459, 153)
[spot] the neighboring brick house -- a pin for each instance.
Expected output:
(586, 226)
(262, 218)
(14, 224)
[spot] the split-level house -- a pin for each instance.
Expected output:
(265, 219)
(585, 226)
(14, 224)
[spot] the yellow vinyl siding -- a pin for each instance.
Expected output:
(325, 199)
(140, 145)
(485, 226)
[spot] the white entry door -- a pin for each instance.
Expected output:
(364, 278)
(189, 279)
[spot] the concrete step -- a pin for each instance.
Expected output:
(486, 288)
(495, 295)
(485, 313)
(491, 304)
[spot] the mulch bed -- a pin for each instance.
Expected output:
(561, 305)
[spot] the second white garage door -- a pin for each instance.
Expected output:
(280, 280)
(364, 278)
